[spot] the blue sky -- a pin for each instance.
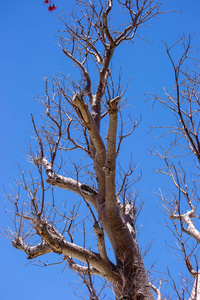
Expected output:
(29, 51)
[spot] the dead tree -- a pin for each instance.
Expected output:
(82, 115)
(182, 161)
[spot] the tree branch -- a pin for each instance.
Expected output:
(155, 289)
(59, 245)
(96, 139)
(101, 242)
(68, 183)
(111, 156)
(81, 269)
(33, 251)
(191, 230)
(87, 90)
(105, 23)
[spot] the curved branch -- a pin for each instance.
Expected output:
(191, 230)
(105, 23)
(93, 131)
(68, 183)
(177, 70)
(87, 90)
(81, 269)
(156, 290)
(33, 251)
(76, 145)
(128, 30)
(59, 245)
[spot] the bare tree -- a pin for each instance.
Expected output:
(82, 114)
(74, 112)
(182, 160)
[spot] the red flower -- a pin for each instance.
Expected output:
(46, 1)
(52, 7)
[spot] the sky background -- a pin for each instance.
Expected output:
(28, 52)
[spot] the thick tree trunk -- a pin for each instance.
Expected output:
(133, 281)
(135, 287)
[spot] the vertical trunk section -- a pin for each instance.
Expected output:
(133, 281)
(195, 295)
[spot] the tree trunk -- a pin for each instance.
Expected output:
(133, 282)
(195, 295)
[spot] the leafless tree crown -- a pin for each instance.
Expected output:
(82, 115)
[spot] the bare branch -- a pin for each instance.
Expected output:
(81, 269)
(111, 155)
(33, 251)
(159, 296)
(84, 115)
(101, 242)
(191, 230)
(68, 183)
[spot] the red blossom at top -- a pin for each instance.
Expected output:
(52, 7)
(46, 1)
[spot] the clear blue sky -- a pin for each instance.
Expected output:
(28, 51)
